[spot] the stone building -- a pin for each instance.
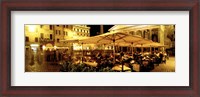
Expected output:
(37, 36)
(80, 30)
(164, 34)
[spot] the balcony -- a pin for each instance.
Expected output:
(46, 40)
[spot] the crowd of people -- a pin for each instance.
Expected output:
(55, 55)
(49, 55)
(146, 60)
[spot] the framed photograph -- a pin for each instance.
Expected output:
(139, 48)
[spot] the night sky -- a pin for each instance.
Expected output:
(94, 29)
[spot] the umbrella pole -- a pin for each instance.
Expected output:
(116, 48)
(142, 48)
(132, 49)
(121, 49)
(82, 53)
(113, 51)
(104, 45)
(150, 49)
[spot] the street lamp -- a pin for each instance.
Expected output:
(43, 47)
(55, 47)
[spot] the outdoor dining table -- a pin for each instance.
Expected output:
(93, 64)
(119, 68)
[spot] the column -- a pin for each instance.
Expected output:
(161, 35)
(150, 34)
(101, 29)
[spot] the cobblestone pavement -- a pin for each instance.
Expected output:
(168, 67)
(39, 65)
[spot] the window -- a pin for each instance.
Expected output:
(42, 35)
(58, 40)
(66, 33)
(59, 32)
(51, 27)
(56, 32)
(27, 39)
(36, 39)
(63, 32)
(51, 36)
(40, 26)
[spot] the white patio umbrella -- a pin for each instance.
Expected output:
(153, 44)
(77, 40)
(141, 43)
(114, 38)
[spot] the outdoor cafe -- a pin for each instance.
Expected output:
(115, 59)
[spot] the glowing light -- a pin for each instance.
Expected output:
(34, 49)
(55, 47)
(77, 46)
(43, 47)
(34, 45)
(31, 28)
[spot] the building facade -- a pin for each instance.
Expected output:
(80, 30)
(38, 36)
(163, 34)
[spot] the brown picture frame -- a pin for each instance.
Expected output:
(193, 90)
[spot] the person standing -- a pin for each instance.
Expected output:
(54, 56)
(57, 55)
(32, 57)
(38, 56)
(48, 55)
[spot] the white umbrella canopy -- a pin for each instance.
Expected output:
(114, 38)
(49, 45)
(108, 38)
(154, 44)
(74, 40)
(141, 44)
(136, 43)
